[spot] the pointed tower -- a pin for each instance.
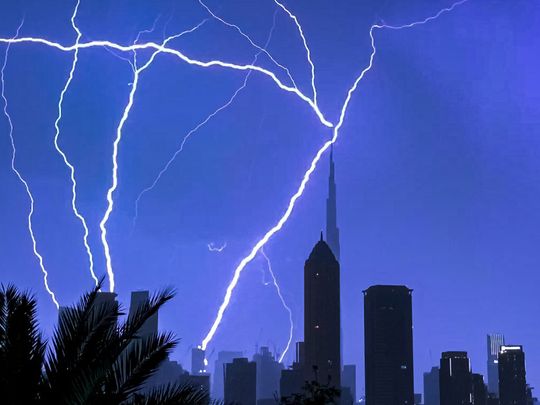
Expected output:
(332, 230)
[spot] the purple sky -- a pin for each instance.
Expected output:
(436, 166)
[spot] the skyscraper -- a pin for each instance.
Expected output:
(219, 367)
(322, 316)
(332, 230)
(494, 343)
(241, 382)
(388, 339)
(479, 390)
(140, 299)
(197, 361)
(268, 374)
(455, 379)
(512, 381)
(348, 380)
(431, 387)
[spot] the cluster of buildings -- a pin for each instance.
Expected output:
(388, 340)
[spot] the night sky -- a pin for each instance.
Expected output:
(437, 165)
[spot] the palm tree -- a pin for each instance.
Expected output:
(91, 359)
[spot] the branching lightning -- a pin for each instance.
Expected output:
(163, 48)
(21, 178)
(110, 201)
(70, 166)
(199, 126)
(307, 175)
(287, 308)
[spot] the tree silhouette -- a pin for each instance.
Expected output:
(91, 359)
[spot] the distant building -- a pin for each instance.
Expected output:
(479, 390)
(322, 333)
(268, 375)
(494, 343)
(512, 382)
(455, 379)
(292, 379)
(241, 382)
(348, 380)
(140, 300)
(492, 399)
(431, 387)
(388, 345)
(223, 357)
(417, 399)
(197, 361)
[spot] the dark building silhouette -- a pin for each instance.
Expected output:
(388, 343)
(494, 343)
(197, 361)
(322, 333)
(492, 399)
(417, 399)
(140, 300)
(455, 379)
(431, 387)
(348, 380)
(268, 375)
(332, 230)
(219, 369)
(512, 381)
(292, 379)
(241, 382)
(479, 390)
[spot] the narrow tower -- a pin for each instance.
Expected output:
(332, 230)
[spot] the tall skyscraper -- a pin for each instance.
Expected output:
(332, 230)
(139, 299)
(494, 343)
(197, 361)
(219, 368)
(455, 379)
(431, 387)
(322, 333)
(512, 381)
(241, 382)
(388, 339)
(268, 375)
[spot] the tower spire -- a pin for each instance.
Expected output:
(332, 230)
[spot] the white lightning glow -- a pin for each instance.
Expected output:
(307, 175)
(70, 166)
(212, 247)
(110, 201)
(261, 49)
(21, 178)
(287, 308)
(197, 127)
(164, 49)
(306, 47)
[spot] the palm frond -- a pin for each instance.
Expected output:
(173, 394)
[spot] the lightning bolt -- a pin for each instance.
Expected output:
(70, 166)
(199, 126)
(306, 47)
(213, 248)
(287, 308)
(307, 175)
(20, 177)
(110, 201)
(242, 33)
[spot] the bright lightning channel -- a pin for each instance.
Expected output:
(287, 308)
(242, 33)
(70, 166)
(307, 175)
(110, 201)
(20, 177)
(199, 126)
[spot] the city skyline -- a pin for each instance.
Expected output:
(435, 168)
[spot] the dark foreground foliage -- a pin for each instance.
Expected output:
(92, 358)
